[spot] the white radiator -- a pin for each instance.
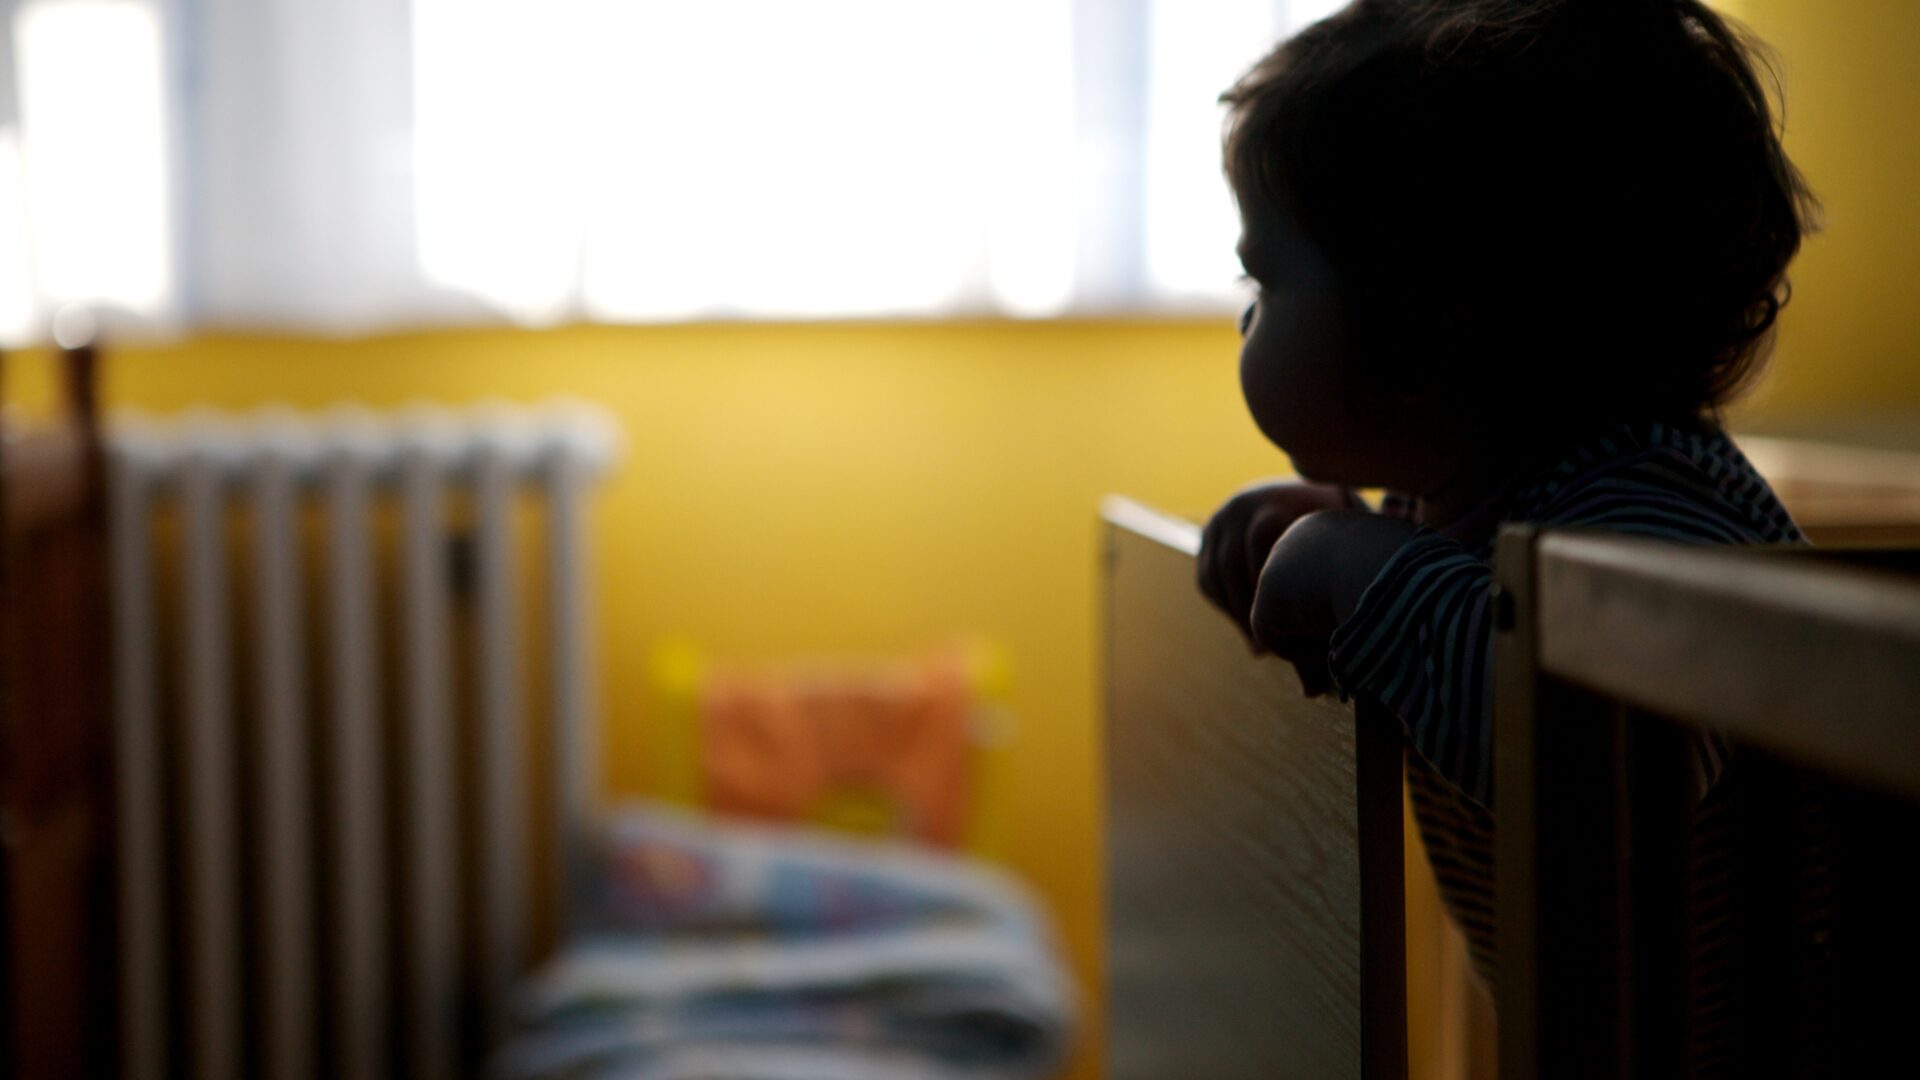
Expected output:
(324, 848)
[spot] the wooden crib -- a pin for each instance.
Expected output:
(1255, 926)
(1254, 849)
(1809, 664)
(56, 806)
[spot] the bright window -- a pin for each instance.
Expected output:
(354, 165)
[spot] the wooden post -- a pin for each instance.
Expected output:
(1560, 909)
(55, 741)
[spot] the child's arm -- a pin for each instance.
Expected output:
(1316, 575)
(1314, 581)
(1238, 537)
(1408, 610)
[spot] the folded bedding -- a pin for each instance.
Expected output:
(731, 952)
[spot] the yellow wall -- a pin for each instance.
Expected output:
(795, 487)
(1851, 336)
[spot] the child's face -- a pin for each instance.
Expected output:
(1296, 372)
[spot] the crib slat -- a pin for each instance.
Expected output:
(137, 766)
(432, 911)
(283, 850)
(500, 800)
(212, 884)
(357, 886)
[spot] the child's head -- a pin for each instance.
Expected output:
(1527, 215)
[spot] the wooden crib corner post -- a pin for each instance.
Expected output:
(7, 1004)
(1517, 837)
(91, 690)
(1378, 764)
(1563, 912)
(56, 926)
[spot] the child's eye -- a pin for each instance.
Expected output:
(1246, 317)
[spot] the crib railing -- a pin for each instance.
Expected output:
(1843, 495)
(1808, 662)
(1253, 851)
(323, 730)
(1254, 862)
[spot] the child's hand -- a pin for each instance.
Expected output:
(1235, 543)
(1313, 581)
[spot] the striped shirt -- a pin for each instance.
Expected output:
(1421, 640)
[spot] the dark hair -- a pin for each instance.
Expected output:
(1575, 201)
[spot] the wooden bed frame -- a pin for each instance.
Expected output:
(56, 810)
(1809, 662)
(1255, 923)
(1255, 914)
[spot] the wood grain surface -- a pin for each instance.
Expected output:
(1807, 657)
(1234, 864)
